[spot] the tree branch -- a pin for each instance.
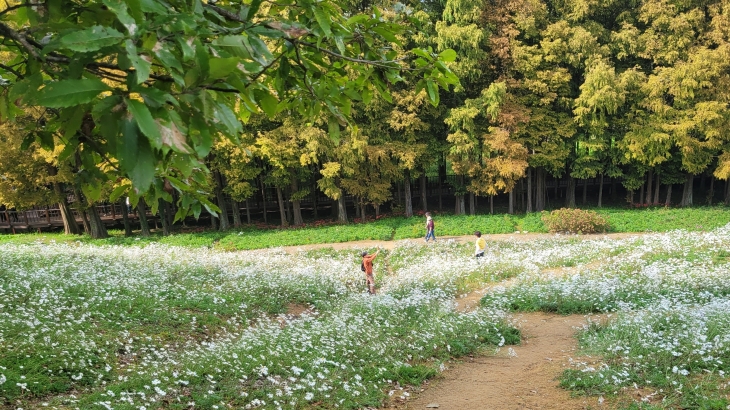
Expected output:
(10, 8)
(9, 32)
(11, 70)
(381, 64)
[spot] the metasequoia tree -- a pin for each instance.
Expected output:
(144, 88)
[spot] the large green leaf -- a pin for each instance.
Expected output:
(145, 122)
(141, 65)
(323, 19)
(233, 45)
(143, 172)
(267, 102)
(91, 39)
(67, 93)
(119, 8)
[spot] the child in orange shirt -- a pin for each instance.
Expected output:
(367, 267)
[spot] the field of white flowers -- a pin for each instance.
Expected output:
(160, 327)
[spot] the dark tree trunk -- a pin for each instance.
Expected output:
(668, 201)
(144, 225)
(125, 217)
(424, 204)
(98, 230)
(442, 177)
(641, 193)
(649, 187)
(399, 195)
(236, 213)
(727, 192)
(511, 206)
(570, 193)
(472, 204)
(248, 211)
(407, 193)
(657, 184)
(687, 192)
(585, 191)
(341, 209)
(614, 194)
(460, 206)
(263, 196)
(540, 191)
(162, 209)
(711, 192)
(296, 204)
(282, 209)
(220, 198)
(600, 191)
(491, 204)
(70, 226)
(529, 191)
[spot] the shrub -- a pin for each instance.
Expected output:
(569, 220)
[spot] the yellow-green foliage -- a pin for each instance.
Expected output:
(568, 220)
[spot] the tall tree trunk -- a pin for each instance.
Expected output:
(541, 189)
(711, 191)
(585, 191)
(248, 211)
(460, 206)
(600, 191)
(570, 193)
(70, 226)
(442, 178)
(530, 200)
(407, 189)
(98, 230)
(314, 200)
(162, 209)
(399, 195)
(236, 213)
(614, 194)
(221, 199)
(687, 192)
(125, 217)
(81, 209)
(511, 206)
(491, 204)
(144, 225)
(727, 192)
(657, 184)
(472, 204)
(649, 186)
(263, 195)
(641, 193)
(668, 201)
(282, 210)
(296, 204)
(341, 209)
(213, 222)
(424, 204)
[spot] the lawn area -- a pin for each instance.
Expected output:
(151, 324)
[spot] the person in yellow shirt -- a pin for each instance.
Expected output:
(480, 245)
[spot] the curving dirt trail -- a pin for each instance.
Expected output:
(518, 377)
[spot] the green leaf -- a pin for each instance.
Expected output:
(153, 6)
(67, 93)
(433, 92)
(386, 34)
(145, 122)
(119, 8)
(267, 102)
(334, 129)
(222, 67)
(227, 117)
(261, 52)
(448, 55)
(141, 66)
(143, 172)
(127, 145)
(91, 39)
(323, 19)
(253, 8)
(233, 45)
(118, 192)
(92, 190)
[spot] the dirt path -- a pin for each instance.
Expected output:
(368, 244)
(520, 377)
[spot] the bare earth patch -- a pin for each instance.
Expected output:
(518, 377)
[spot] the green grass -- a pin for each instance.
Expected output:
(396, 228)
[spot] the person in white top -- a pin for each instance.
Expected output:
(480, 245)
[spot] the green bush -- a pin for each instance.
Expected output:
(567, 220)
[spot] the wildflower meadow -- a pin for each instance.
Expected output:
(155, 326)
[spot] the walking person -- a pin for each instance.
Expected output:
(429, 227)
(367, 267)
(480, 245)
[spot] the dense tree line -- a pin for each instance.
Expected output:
(205, 104)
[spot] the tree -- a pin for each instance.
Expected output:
(143, 89)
